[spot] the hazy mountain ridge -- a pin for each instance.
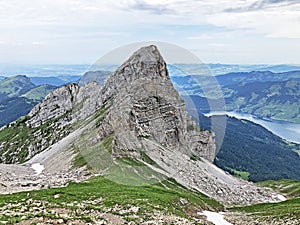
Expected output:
(18, 95)
(219, 69)
(98, 76)
(15, 86)
(264, 94)
(256, 76)
(275, 100)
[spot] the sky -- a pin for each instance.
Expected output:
(217, 31)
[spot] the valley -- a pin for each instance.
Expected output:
(286, 130)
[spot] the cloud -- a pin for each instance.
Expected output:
(262, 4)
(106, 24)
(159, 9)
(38, 43)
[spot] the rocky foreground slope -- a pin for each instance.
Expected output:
(135, 125)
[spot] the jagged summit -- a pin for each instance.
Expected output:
(147, 54)
(137, 115)
(144, 101)
(141, 103)
(146, 64)
(150, 62)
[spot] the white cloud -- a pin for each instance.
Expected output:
(38, 43)
(80, 23)
(233, 14)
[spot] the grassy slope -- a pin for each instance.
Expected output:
(38, 93)
(78, 198)
(18, 95)
(276, 100)
(15, 86)
(289, 188)
(287, 210)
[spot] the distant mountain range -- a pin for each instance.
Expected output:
(55, 70)
(261, 93)
(43, 70)
(15, 86)
(55, 81)
(18, 95)
(278, 100)
(256, 76)
(264, 94)
(219, 69)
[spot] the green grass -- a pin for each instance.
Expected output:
(241, 174)
(16, 85)
(148, 197)
(276, 211)
(17, 137)
(194, 157)
(289, 188)
(38, 93)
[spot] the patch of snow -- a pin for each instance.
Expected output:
(277, 197)
(281, 197)
(38, 168)
(215, 218)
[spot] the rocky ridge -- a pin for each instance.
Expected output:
(143, 100)
(136, 114)
(145, 105)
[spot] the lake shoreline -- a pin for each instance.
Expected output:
(286, 130)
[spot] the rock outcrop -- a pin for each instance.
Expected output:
(136, 114)
(145, 105)
(142, 104)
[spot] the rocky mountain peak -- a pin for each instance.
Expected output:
(146, 109)
(136, 117)
(148, 62)
(143, 110)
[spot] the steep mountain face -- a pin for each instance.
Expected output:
(146, 105)
(134, 125)
(142, 104)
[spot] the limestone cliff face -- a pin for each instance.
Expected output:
(145, 105)
(78, 102)
(48, 122)
(141, 104)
